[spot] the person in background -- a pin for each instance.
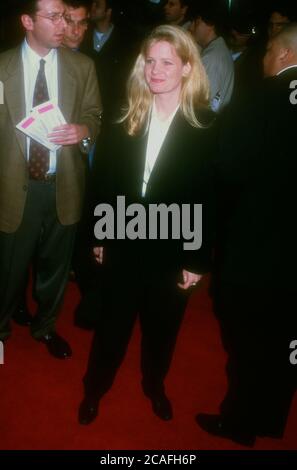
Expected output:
(255, 293)
(215, 55)
(113, 53)
(247, 48)
(77, 19)
(176, 13)
(282, 13)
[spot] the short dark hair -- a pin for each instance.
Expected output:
(285, 8)
(185, 3)
(27, 7)
(243, 24)
(30, 7)
(210, 11)
(110, 4)
(78, 3)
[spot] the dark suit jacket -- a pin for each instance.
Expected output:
(248, 70)
(79, 100)
(182, 174)
(113, 64)
(257, 191)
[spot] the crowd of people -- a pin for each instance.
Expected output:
(169, 104)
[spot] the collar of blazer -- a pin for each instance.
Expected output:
(14, 88)
(182, 143)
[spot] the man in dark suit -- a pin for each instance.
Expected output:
(42, 191)
(255, 293)
(111, 48)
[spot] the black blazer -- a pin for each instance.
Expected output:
(257, 191)
(182, 174)
(113, 64)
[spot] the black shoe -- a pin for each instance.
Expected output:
(3, 340)
(6, 332)
(216, 425)
(22, 316)
(83, 323)
(72, 276)
(161, 406)
(88, 410)
(56, 345)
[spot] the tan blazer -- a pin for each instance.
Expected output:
(79, 100)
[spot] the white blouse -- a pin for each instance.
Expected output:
(156, 135)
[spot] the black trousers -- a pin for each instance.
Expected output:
(160, 305)
(257, 327)
(41, 236)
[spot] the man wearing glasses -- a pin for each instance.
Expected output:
(41, 191)
(77, 18)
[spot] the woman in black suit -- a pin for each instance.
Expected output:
(160, 152)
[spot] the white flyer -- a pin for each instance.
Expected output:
(41, 121)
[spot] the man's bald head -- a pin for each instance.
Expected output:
(281, 51)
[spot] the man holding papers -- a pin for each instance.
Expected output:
(50, 115)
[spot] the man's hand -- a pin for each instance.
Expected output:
(98, 254)
(189, 280)
(68, 134)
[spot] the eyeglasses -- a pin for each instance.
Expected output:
(80, 24)
(55, 18)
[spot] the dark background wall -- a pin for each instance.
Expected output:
(138, 13)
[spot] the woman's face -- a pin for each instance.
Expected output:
(164, 69)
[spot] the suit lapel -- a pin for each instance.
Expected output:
(67, 85)
(137, 154)
(14, 89)
(168, 148)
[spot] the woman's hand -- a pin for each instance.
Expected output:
(98, 254)
(189, 280)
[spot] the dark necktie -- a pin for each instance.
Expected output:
(38, 154)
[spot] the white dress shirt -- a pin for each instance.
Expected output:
(31, 64)
(219, 67)
(156, 135)
(99, 39)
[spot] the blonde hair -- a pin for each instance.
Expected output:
(195, 86)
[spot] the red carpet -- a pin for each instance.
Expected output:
(40, 394)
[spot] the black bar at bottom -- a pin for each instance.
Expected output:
(147, 458)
